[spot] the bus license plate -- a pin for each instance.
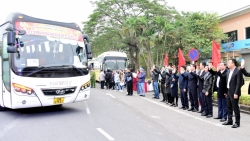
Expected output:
(59, 100)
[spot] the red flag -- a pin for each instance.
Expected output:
(166, 60)
(181, 59)
(215, 54)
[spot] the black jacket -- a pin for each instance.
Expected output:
(207, 83)
(222, 83)
(235, 83)
(155, 75)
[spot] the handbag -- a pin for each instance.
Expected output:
(121, 83)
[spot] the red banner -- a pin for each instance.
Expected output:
(181, 59)
(49, 30)
(216, 54)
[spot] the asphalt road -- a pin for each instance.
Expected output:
(111, 115)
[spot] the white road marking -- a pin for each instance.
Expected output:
(105, 134)
(88, 111)
(156, 117)
(186, 114)
(87, 107)
(110, 95)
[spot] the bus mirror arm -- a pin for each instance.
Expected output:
(11, 49)
(89, 56)
(88, 48)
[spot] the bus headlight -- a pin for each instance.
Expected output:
(22, 89)
(85, 86)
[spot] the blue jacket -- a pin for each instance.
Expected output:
(183, 80)
(141, 77)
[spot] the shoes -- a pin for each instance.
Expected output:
(228, 123)
(209, 116)
(217, 118)
(200, 111)
(223, 120)
(204, 114)
(236, 125)
(195, 110)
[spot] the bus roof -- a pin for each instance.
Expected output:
(113, 53)
(16, 16)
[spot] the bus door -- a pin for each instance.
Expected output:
(6, 87)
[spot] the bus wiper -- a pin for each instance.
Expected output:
(40, 69)
(49, 67)
(74, 68)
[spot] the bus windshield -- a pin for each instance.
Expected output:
(44, 51)
(118, 63)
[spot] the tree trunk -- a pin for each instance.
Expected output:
(157, 56)
(134, 54)
(150, 59)
(162, 56)
(147, 65)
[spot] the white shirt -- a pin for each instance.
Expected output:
(229, 77)
(201, 72)
(218, 79)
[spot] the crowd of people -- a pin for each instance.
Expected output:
(194, 83)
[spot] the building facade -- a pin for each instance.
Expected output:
(236, 25)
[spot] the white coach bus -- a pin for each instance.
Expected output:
(42, 62)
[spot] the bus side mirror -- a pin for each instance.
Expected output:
(11, 49)
(86, 37)
(89, 56)
(11, 38)
(88, 48)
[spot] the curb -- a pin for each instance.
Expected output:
(243, 108)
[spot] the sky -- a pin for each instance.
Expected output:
(79, 10)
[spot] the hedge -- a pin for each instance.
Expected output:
(244, 99)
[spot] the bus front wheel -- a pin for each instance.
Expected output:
(2, 108)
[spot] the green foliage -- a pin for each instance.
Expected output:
(200, 29)
(244, 99)
(147, 29)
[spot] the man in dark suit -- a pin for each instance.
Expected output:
(201, 95)
(221, 86)
(183, 84)
(192, 87)
(234, 82)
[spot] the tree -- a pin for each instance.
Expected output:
(200, 29)
(118, 16)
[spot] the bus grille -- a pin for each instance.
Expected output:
(57, 91)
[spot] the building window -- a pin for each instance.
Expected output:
(248, 33)
(232, 37)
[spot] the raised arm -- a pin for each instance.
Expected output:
(244, 71)
(212, 71)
